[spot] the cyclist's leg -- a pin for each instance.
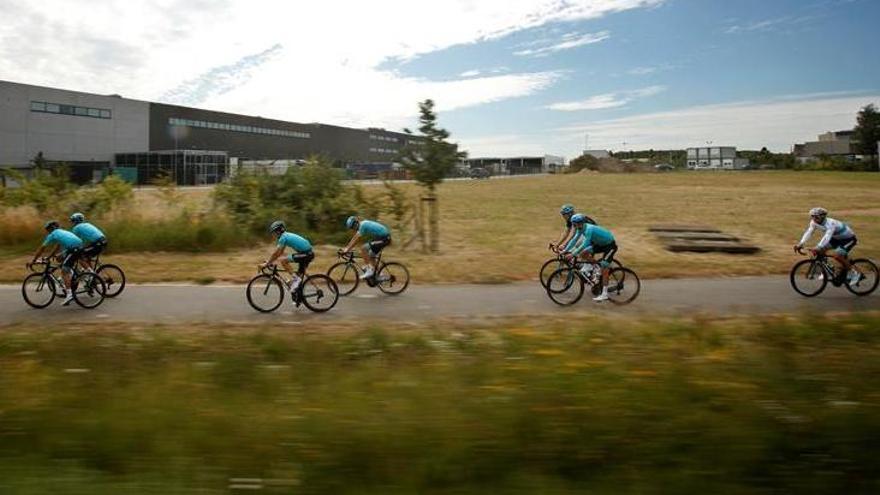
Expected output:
(302, 262)
(376, 247)
(70, 260)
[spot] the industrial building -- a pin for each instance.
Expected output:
(517, 165)
(95, 135)
(831, 144)
(715, 158)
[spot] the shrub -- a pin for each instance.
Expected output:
(310, 199)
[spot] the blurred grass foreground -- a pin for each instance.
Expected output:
(769, 405)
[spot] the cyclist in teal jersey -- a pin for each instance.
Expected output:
(94, 240)
(569, 234)
(595, 240)
(377, 236)
(71, 248)
(302, 252)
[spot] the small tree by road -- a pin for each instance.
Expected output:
(430, 157)
(867, 131)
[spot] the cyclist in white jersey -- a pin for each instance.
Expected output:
(837, 242)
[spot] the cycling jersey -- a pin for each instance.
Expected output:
(296, 242)
(64, 238)
(88, 232)
(593, 237)
(833, 229)
(374, 230)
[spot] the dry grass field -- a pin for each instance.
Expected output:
(497, 231)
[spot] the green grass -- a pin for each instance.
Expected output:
(773, 405)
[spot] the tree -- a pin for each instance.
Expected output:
(430, 158)
(867, 131)
(588, 162)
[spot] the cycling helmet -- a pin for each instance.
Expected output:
(818, 212)
(51, 225)
(77, 218)
(277, 226)
(566, 209)
(351, 222)
(578, 219)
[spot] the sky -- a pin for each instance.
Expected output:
(509, 77)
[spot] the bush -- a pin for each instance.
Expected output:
(311, 200)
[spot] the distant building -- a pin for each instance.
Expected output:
(838, 144)
(598, 153)
(518, 165)
(715, 158)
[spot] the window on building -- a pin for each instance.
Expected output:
(53, 108)
(38, 106)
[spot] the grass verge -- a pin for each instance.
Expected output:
(769, 405)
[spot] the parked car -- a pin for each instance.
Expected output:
(664, 167)
(479, 173)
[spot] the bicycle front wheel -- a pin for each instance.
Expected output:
(808, 278)
(38, 290)
(319, 293)
(548, 268)
(392, 278)
(265, 293)
(114, 279)
(565, 286)
(89, 290)
(624, 286)
(346, 276)
(868, 280)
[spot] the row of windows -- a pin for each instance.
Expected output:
(95, 113)
(238, 128)
(383, 138)
(382, 150)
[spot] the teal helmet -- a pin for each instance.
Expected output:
(276, 227)
(578, 219)
(351, 222)
(51, 225)
(567, 209)
(77, 218)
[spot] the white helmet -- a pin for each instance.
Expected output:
(818, 212)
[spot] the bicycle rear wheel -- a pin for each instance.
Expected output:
(88, 290)
(38, 290)
(346, 276)
(565, 286)
(265, 293)
(319, 293)
(869, 279)
(114, 279)
(392, 278)
(808, 278)
(623, 286)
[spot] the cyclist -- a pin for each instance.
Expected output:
(838, 241)
(71, 248)
(378, 237)
(94, 240)
(593, 240)
(567, 211)
(302, 255)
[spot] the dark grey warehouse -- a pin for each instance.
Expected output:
(99, 134)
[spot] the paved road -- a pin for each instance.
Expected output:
(175, 303)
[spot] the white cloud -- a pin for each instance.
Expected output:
(607, 100)
(329, 67)
(776, 124)
(470, 73)
(769, 24)
(568, 41)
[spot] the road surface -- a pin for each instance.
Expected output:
(193, 303)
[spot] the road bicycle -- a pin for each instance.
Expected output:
(565, 286)
(561, 261)
(41, 287)
(810, 277)
(266, 291)
(391, 277)
(112, 275)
